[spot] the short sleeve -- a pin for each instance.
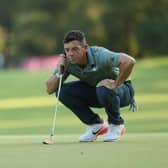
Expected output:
(108, 56)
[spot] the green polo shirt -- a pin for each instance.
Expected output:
(102, 64)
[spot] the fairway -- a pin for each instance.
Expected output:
(26, 114)
(147, 150)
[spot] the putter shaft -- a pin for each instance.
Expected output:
(56, 109)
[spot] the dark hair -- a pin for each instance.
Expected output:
(74, 35)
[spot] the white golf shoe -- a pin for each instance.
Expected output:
(93, 131)
(114, 133)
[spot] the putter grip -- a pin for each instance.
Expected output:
(61, 69)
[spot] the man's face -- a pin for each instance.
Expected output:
(75, 52)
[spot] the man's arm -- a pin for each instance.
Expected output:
(53, 81)
(126, 64)
(52, 84)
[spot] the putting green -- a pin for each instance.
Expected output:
(133, 151)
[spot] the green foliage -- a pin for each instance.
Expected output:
(37, 38)
(37, 27)
(154, 28)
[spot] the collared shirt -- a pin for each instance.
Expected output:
(102, 64)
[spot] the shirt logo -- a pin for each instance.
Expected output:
(94, 69)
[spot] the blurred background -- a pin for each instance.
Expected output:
(36, 28)
(31, 33)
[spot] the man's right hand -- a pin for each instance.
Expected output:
(53, 81)
(61, 60)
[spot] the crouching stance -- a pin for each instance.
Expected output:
(104, 82)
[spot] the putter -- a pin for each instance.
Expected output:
(50, 140)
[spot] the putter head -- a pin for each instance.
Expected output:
(48, 141)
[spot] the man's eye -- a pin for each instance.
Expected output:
(66, 49)
(75, 49)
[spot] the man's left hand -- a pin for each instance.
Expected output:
(108, 83)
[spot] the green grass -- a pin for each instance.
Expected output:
(26, 113)
(135, 150)
(25, 108)
(150, 76)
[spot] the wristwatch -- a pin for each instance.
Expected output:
(57, 75)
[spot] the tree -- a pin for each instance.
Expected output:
(152, 32)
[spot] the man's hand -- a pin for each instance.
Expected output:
(61, 60)
(108, 83)
(53, 81)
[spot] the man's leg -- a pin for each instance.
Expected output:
(112, 100)
(78, 97)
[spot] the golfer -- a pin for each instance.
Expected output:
(104, 82)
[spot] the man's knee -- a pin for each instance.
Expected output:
(105, 95)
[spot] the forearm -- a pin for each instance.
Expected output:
(126, 68)
(53, 81)
(52, 84)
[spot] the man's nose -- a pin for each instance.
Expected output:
(70, 52)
